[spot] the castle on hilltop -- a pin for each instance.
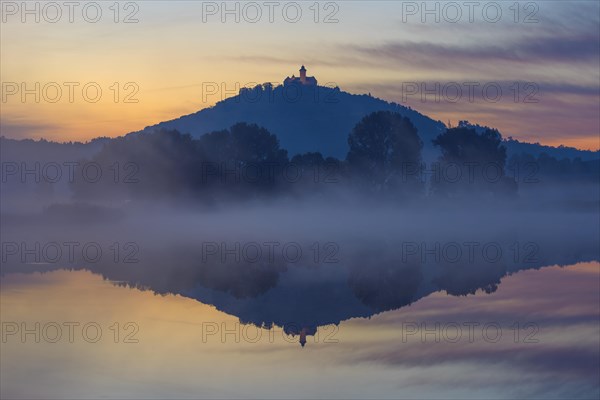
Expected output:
(301, 80)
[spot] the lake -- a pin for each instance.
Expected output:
(502, 310)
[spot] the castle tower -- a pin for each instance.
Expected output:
(303, 75)
(302, 80)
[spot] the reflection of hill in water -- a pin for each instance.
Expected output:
(377, 271)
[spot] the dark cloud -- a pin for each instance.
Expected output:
(460, 88)
(570, 49)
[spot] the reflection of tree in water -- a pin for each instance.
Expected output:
(460, 279)
(241, 279)
(383, 282)
(373, 277)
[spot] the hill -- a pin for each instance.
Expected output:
(319, 119)
(304, 118)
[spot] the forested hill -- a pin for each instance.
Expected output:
(304, 118)
(319, 119)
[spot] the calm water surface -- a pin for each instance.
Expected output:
(535, 336)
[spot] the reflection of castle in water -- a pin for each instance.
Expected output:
(370, 280)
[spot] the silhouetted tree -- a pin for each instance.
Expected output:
(471, 162)
(546, 169)
(384, 145)
(311, 173)
(146, 165)
(243, 143)
(245, 159)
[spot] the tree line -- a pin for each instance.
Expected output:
(246, 161)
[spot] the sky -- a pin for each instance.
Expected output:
(530, 69)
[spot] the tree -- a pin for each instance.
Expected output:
(244, 159)
(244, 144)
(241, 161)
(471, 162)
(146, 165)
(382, 145)
(310, 173)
